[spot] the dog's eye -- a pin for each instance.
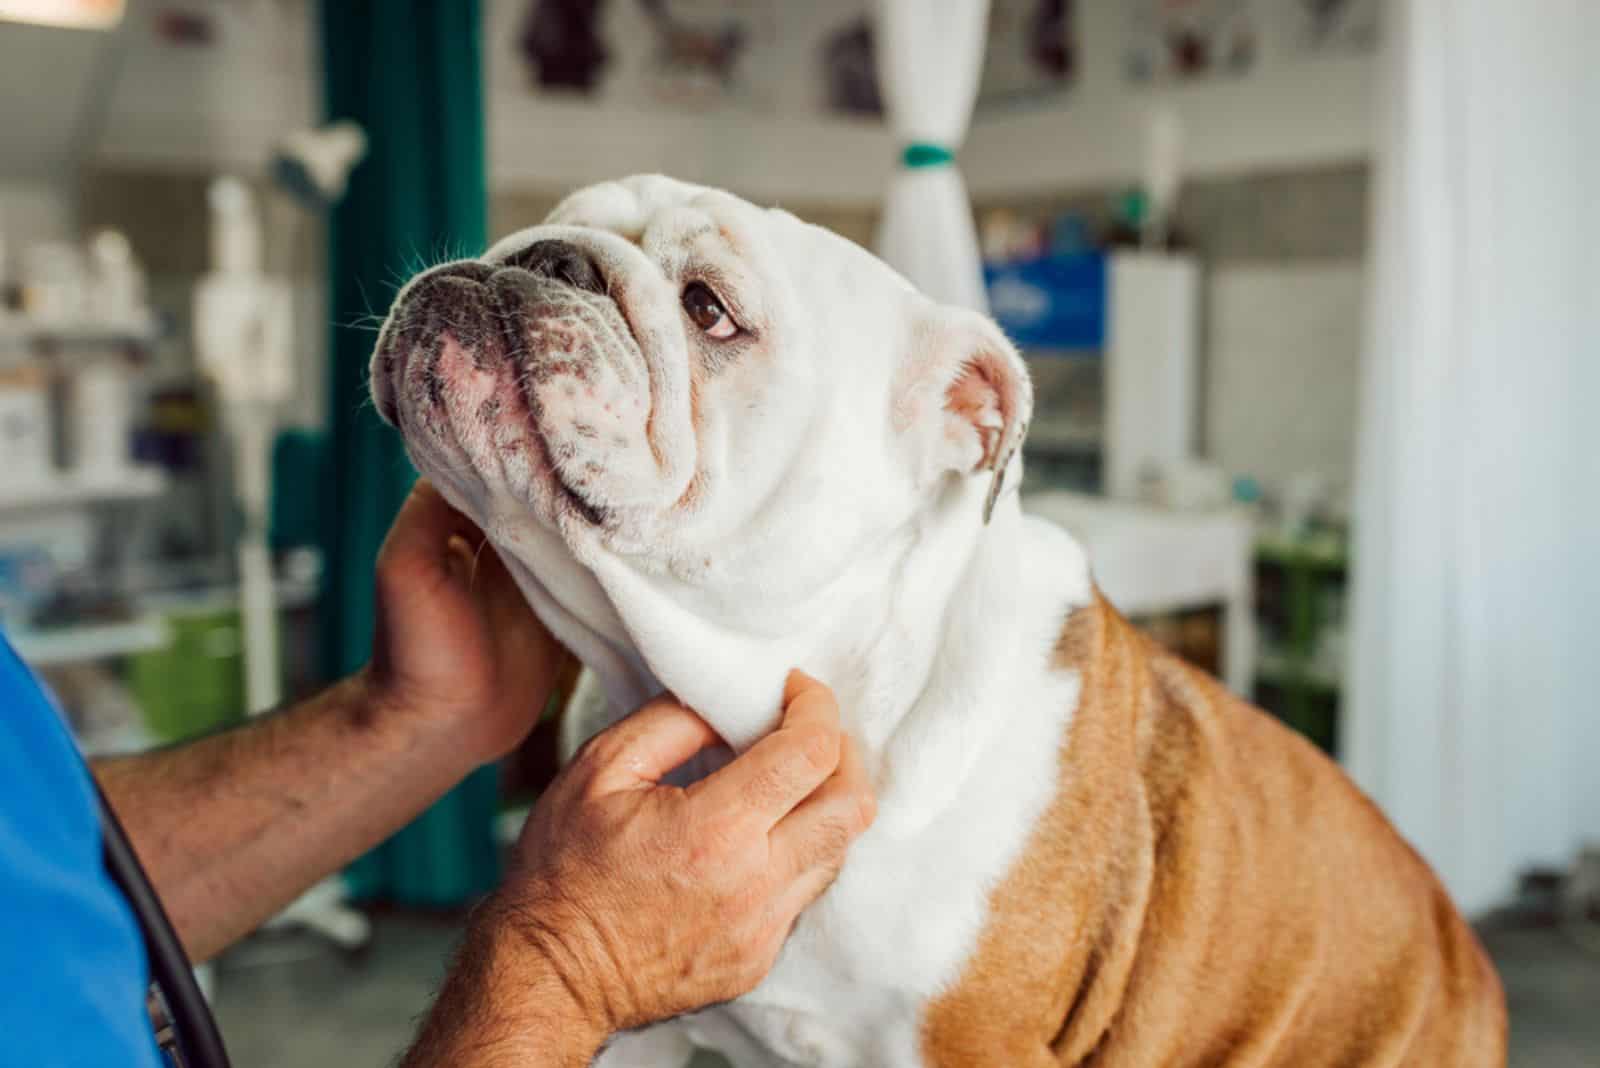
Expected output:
(707, 312)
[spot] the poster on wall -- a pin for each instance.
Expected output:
(1189, 40)
(847, 63)
(675, 54)
(1334, 26)
(562, 44)
(710, 53)
(1031, 54)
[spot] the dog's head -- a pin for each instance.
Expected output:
(725, 403)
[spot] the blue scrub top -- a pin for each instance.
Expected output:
(71, 958)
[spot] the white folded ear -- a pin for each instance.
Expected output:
(962, 399)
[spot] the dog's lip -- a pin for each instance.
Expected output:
(595, 515)
(508, 298)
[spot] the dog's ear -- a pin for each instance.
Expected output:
(962, 399)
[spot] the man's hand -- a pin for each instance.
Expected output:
(455, 638)
(460, 670)
(631, 901)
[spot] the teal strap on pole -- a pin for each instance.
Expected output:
(920, 154)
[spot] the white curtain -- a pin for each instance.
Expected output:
(1474, 703)
(930, 56)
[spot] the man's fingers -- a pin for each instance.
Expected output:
(641, 749)
(814, 837)
(431, 536)
(434, 516)
(426, 525)
(782, 769)
(797, 683)
(492, 584)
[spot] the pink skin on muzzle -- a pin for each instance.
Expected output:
(506, 381)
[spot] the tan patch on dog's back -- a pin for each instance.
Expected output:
(1208, 889)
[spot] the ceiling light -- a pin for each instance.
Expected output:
(71, 14)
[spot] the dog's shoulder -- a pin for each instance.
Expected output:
(1207, 885)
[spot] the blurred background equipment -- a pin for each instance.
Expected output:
(242, 331)
(313, 165)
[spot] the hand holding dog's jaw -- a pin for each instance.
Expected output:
(711, 413)
(629, 901)
(456, 647)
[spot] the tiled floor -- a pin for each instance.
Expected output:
(1553, 994)
(292, 1003)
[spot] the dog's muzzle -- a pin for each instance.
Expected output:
(487, 308)
(483, 363)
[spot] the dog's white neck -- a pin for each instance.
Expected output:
(913, 638)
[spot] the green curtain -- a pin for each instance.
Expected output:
(409, 72)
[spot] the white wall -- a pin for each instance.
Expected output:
(1289, 111)
(49, 81)
(780, 145)
(216, 107)
(1586, 461)
(224, 105)
(1283, 344)
(33, 211)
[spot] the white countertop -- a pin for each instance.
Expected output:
(1149, 560)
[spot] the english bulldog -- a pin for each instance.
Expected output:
(713, 442)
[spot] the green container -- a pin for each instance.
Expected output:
(196, 684)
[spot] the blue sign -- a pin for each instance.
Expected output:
(1055, 302)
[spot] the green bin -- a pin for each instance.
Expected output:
(196, 684)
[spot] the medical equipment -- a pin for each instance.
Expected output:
(244, 338)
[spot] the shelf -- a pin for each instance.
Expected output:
(288, 594)
(134, 483)
(89, 641)
(21, 334)
(1279, 669)
(1321, 552)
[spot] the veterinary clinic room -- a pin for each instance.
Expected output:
(800, 533)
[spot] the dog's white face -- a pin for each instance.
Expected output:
(726, 403)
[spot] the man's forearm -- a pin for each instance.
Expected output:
(232, 827)
(505, 1004)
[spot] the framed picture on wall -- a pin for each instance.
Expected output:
(1333, 26)
(1186, 40)
(672, 54)
(846, 64)
(710, 53)
(1031, 54)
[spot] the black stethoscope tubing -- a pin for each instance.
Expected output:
(194, 1029)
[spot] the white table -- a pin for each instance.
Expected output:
(1149, 560)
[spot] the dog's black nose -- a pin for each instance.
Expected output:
(561, 260)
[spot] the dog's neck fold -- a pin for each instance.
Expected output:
(916, 643)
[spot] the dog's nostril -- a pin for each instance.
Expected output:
(561, 260)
